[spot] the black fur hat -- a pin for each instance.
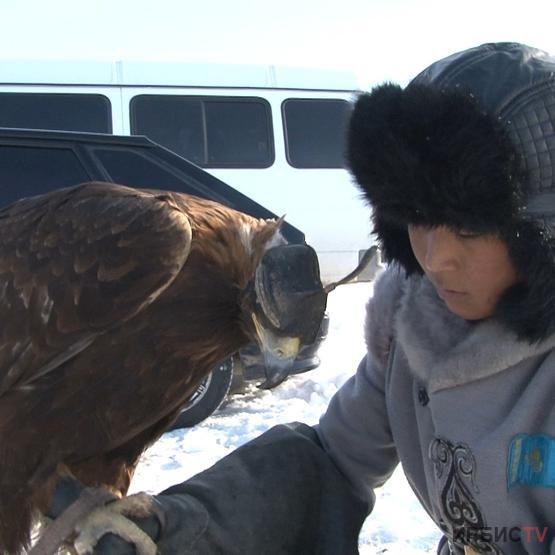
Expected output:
(469, 143)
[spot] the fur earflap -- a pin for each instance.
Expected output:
(528, 308)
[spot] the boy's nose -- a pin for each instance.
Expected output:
(440, 254)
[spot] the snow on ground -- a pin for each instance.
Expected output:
(398, 525)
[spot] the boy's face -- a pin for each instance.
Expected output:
(470, 272)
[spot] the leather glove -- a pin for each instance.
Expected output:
(277, 494)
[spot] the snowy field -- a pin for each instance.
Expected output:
(398, 525)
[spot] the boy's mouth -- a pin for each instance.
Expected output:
(445, 293)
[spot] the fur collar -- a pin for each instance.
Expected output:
(442, 349)
(380, 312)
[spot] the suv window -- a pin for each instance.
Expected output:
(212, 132)
(27, 171)
(137, 170)
(315, 132)
(64, 112)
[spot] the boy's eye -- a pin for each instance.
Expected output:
(468, 234)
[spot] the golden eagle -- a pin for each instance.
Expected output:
(114, 304)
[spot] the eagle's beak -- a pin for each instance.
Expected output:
(279, 354)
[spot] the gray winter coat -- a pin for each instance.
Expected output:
(466, 408)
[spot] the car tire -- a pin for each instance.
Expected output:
(208, 397)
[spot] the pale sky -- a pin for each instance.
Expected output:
(378, 39)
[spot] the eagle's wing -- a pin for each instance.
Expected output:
(75, 263)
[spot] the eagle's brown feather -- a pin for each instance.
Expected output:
(115, 303)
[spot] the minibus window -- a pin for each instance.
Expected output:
(25, 172)
(59, 111)
(212, 132)
(237, 134)
(315, 132)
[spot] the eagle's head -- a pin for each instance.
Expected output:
(284, 304)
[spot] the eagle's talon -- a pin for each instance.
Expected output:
(111, 519)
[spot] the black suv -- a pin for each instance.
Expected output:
(34, 162)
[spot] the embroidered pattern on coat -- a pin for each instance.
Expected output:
(462, 520)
